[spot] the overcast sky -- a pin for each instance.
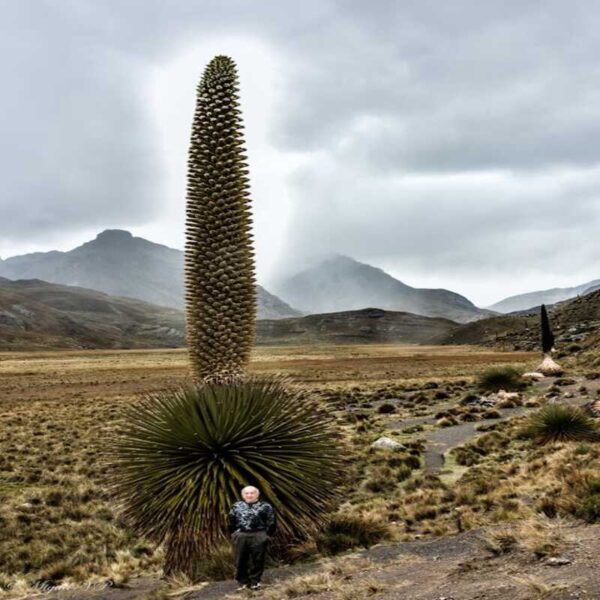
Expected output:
(454, 144)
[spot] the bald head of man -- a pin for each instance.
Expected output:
(250, 494)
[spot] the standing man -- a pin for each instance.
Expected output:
(252, 522)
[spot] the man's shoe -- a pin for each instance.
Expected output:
(256, 586)
(242, 586)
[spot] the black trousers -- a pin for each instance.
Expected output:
(249, 552)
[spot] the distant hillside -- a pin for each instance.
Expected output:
(36, 314)
(39, 315)
(551, 296)
(369, 325)
(593, 288)
(342, 284)
(507, 331)
(589, 356)
(120, 264)
(573, 322)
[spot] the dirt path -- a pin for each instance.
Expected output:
(450, 568)
(441, 441)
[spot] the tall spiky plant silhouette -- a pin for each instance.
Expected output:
(219, 258)
(548, 366)
(180, 457)
(547, 335)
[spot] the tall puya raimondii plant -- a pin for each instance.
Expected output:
(219, 258)
(548, 366)
(182, 456)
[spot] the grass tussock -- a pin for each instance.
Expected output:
(538, 589)
(559, 422)
(537, 535)
(507, 378)
(336, 579)
(346, 531)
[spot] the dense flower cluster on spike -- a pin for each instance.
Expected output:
(219, 258)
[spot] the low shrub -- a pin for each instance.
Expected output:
(403, 473)
(403, 460)
(588, 507)
(465, 456)
(380, 480)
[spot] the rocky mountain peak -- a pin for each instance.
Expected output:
(113, 236)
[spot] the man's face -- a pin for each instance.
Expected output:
(250, 495)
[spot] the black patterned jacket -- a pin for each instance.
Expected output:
(255, 516)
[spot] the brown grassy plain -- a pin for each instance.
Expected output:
(57, 521)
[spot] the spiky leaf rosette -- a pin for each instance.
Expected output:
(547, 335)
(559, 422)
(184, 455)
(219, 258)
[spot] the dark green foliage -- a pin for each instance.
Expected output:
(590, 508)
(501, 378)
(558, 422)
(348, 531)
(182, 457)
(547, 335)
(220, 286)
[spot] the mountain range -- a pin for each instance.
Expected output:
(530, 300)
(341, 283)
(122, 265)
(36, 315)
(573, 321)
(119, 264)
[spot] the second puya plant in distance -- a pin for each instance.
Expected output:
(183, 456)
(548, 366)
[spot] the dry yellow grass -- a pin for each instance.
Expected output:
(131, 371)
(57, 522)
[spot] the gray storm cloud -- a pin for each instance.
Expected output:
(462, 134)
(76, 152)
